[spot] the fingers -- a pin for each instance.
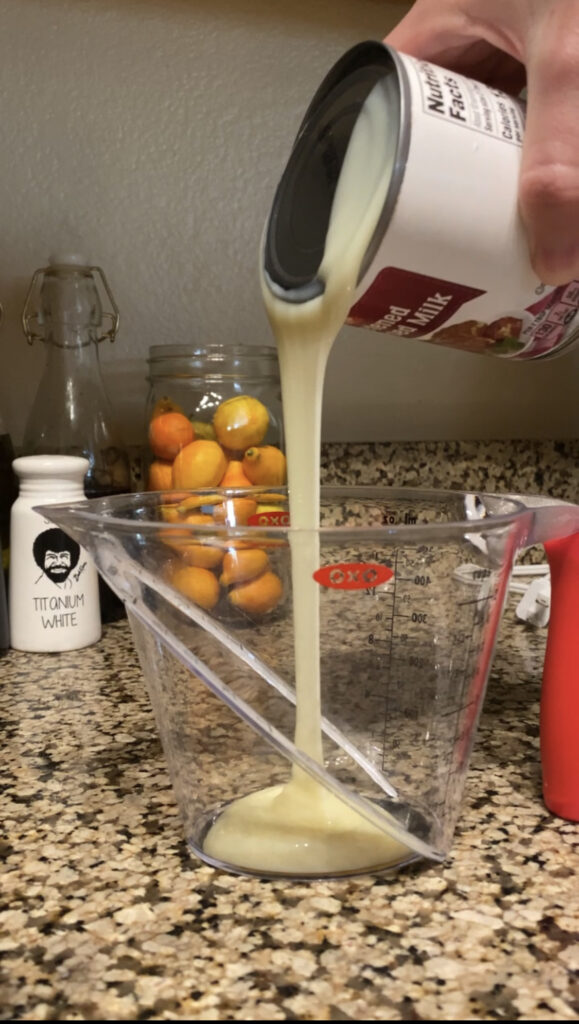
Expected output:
(428, 33)
(458, 33)
(470, 36)
(549, 183)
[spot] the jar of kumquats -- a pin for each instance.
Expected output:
(214, 420)
(214, 417)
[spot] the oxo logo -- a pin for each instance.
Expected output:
(273, 517)
(353, 575)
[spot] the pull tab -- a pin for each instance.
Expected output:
(32, 319)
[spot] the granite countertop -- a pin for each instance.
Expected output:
(105, 914)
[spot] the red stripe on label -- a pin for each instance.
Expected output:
(409, 304)
(353, 575)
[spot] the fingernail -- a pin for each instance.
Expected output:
(555, 264)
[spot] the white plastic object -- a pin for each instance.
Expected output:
(53, 582)
(535, 604)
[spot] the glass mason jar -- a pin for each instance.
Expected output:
(196, 381)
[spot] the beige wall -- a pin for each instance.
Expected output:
(150, 134)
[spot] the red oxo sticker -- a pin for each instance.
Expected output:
(353, 575)
(273, 517)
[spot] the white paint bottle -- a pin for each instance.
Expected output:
(53, 587)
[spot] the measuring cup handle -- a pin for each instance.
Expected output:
(560, 690)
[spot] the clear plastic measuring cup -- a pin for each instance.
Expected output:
(406, 640)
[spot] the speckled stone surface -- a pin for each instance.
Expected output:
(104, 913)
(529, 467)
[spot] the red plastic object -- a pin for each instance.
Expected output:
(560, 691)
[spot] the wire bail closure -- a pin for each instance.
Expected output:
(32, 321)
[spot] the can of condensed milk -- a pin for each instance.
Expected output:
(448, 261)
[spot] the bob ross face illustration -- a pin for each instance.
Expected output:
(56, 554)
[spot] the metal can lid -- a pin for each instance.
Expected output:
(298, 222)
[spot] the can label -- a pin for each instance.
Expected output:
(428, 308)
(468, 103)
(453, 266)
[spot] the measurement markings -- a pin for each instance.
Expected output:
(456, 711)
(459, 731)
(380, 617)
(390, 661)
(419, 618)
(464, 723)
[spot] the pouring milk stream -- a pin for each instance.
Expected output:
(300, 825)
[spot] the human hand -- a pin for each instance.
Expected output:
(507, 43)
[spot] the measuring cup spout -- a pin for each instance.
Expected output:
(551, 519)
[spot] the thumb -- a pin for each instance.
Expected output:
(549, 182)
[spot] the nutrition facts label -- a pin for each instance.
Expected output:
(553, 317)
(450, 97)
